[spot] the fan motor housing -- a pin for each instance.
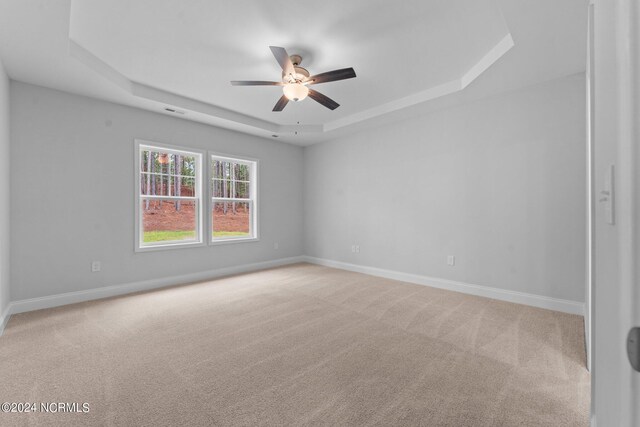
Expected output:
(301, 74)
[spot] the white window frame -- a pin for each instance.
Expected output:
(199, 197)
(254, 181)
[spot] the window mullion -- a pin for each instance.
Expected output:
(169, 184)
(161, 197)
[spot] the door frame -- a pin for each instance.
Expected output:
(615, 101)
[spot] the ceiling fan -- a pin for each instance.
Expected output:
(295, 80)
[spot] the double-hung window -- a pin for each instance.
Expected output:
(168, 196)
(171, 203)
(233, 189)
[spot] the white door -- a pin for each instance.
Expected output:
(616, 197)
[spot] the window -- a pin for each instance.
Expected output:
(233, 189)
(169, 197)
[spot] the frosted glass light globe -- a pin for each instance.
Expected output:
(295, 91)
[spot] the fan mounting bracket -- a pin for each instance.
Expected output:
(296, 60)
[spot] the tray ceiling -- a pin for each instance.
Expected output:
(162, 53)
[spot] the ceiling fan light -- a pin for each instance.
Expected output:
(295, 91)
(163, 158)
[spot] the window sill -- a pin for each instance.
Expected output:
(229, 241)
(169, 246)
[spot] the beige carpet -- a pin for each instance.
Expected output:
(298, 345)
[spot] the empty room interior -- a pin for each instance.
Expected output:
(417, 213)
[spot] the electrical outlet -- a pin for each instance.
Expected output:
(353, 248)
(451, 260)
(276, 245)
(95, 266)
(358, 249)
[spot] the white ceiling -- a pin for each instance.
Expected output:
(157, 53)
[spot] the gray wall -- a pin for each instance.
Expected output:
(72, 194)
(4, 192)
(499, 183)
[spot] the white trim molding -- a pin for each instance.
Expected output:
(245, 123)
(49, 301)
(549, 303)
(4, 318)
(21, 306)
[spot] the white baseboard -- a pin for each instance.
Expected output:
(31, 304)
(587, 338)
(567, 306)
(4, 318)
(39, 303)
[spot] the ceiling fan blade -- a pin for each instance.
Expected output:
(322, 99)
(255, 83)
(332, 76)
(283, 59)
(282, 102)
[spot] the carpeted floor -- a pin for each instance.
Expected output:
(298, 345)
